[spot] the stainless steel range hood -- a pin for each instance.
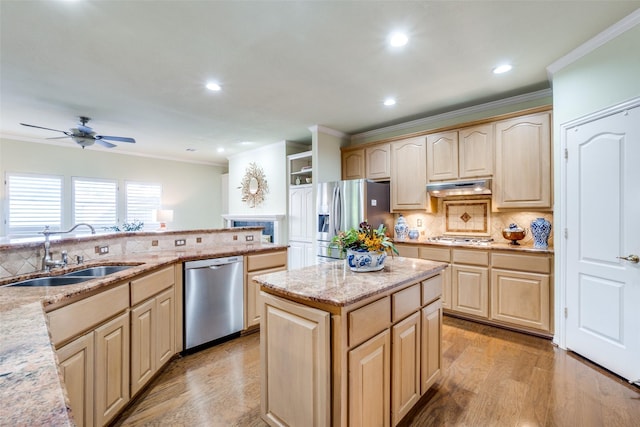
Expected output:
(460, 188)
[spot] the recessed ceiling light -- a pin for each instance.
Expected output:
(213, 86)
(389, 102)
(502, 69)
(220, 150)
(191, 149)
(246, 142)
(398, 39)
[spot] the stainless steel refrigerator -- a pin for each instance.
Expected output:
(345, 204)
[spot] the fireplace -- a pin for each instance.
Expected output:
(273, 225)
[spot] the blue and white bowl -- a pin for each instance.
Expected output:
(363, 261)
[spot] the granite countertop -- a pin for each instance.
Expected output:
(31, 390)
(333, 283)
(503, 246)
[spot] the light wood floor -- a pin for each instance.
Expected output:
(492, 377)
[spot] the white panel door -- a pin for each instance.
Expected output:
(603, 224)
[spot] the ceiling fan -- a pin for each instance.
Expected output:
(85, 136)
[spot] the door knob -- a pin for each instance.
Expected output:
(631, 258)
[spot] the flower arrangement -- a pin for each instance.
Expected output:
(364, 238)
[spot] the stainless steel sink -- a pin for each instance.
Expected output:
(100, 271)
(51, 281)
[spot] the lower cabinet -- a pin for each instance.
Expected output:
(76, 366)
(405, 361)
(370, 382)
(431, 351)
(111, 368)
(301, 254)
(470, 290)
(254, 265)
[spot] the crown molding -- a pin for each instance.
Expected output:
(426, 121)
(620, 27)
(328, 131)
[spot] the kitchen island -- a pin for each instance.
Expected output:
(343, 348)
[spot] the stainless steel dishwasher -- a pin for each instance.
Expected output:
(213, 300)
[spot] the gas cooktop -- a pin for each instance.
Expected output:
(462, 240)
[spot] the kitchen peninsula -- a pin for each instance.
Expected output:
(343, 348)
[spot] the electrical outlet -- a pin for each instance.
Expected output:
(198, 239)
(180, 242)
(101, 250)
(154, 243)
(419, 222)
(235, 237)
(248, 238)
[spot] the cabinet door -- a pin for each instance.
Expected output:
(446, 288)
(165, 327)
(405, 369)
(111, 368)
(254, 300)
(520, 298)
(470, 290)
(143, 344)
(76, 367)
(369, 382)
(475, 151)
(297, 213)
(296, 254)
(409, 174)
(378, 161)
(442, 156)
(353, 164)
(523, 163)
(431, 353)
(295, 346)
(309, 214)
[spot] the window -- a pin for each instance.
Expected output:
(34, 202)
(95, 202)
(142, 198)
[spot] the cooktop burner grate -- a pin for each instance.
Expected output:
(462, 240)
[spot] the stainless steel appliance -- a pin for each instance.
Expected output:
(462, 240)
(460, 188)
(213, 300)
(345, 204)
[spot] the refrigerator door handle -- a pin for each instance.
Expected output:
(337, 210)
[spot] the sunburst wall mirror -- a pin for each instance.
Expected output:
(254, 186)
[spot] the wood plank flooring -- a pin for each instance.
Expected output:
(492, 377)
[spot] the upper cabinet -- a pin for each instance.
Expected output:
(373, 162)
(460, 154)
(409, 174)
(378, 162)
(523, 162)
(300, 168)
(353, 164)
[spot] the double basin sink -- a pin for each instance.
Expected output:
(74, 277)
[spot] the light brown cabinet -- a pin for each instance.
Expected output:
(406, 359)
(523, 162)
(470, 282)
(76, 367)
(353, 164)
(255, 265)
(378, 162)
(460, 154)
(111, 368)
(431, 351)
(295, 364)
(409, 174)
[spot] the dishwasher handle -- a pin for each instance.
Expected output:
(212, 264)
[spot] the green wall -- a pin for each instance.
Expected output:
(193, 191)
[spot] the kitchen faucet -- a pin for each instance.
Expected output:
(47, 261)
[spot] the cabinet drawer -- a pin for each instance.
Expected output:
(73, 319)
(435, 254)
(367, 321)
(151, 284)
(405, 302)
(264, 261)
(532, 263)
(462, 256)
(407, 251)
(431, 289)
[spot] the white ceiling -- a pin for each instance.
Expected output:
(138, 68)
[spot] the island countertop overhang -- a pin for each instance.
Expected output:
(334, 284)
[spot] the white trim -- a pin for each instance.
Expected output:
(328, 131)
(625, 24)
(426, 121)
(560, 337)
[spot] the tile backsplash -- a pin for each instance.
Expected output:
(435, 224)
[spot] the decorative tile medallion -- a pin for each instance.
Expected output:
(467, 217)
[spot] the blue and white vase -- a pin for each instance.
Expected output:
(364, 261)
(401, 228)
(414, 234)
(540, 230)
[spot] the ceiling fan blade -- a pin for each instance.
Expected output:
(60, 137)
(115, 138)
(84, 129)
(40, 127)
(105, 143)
